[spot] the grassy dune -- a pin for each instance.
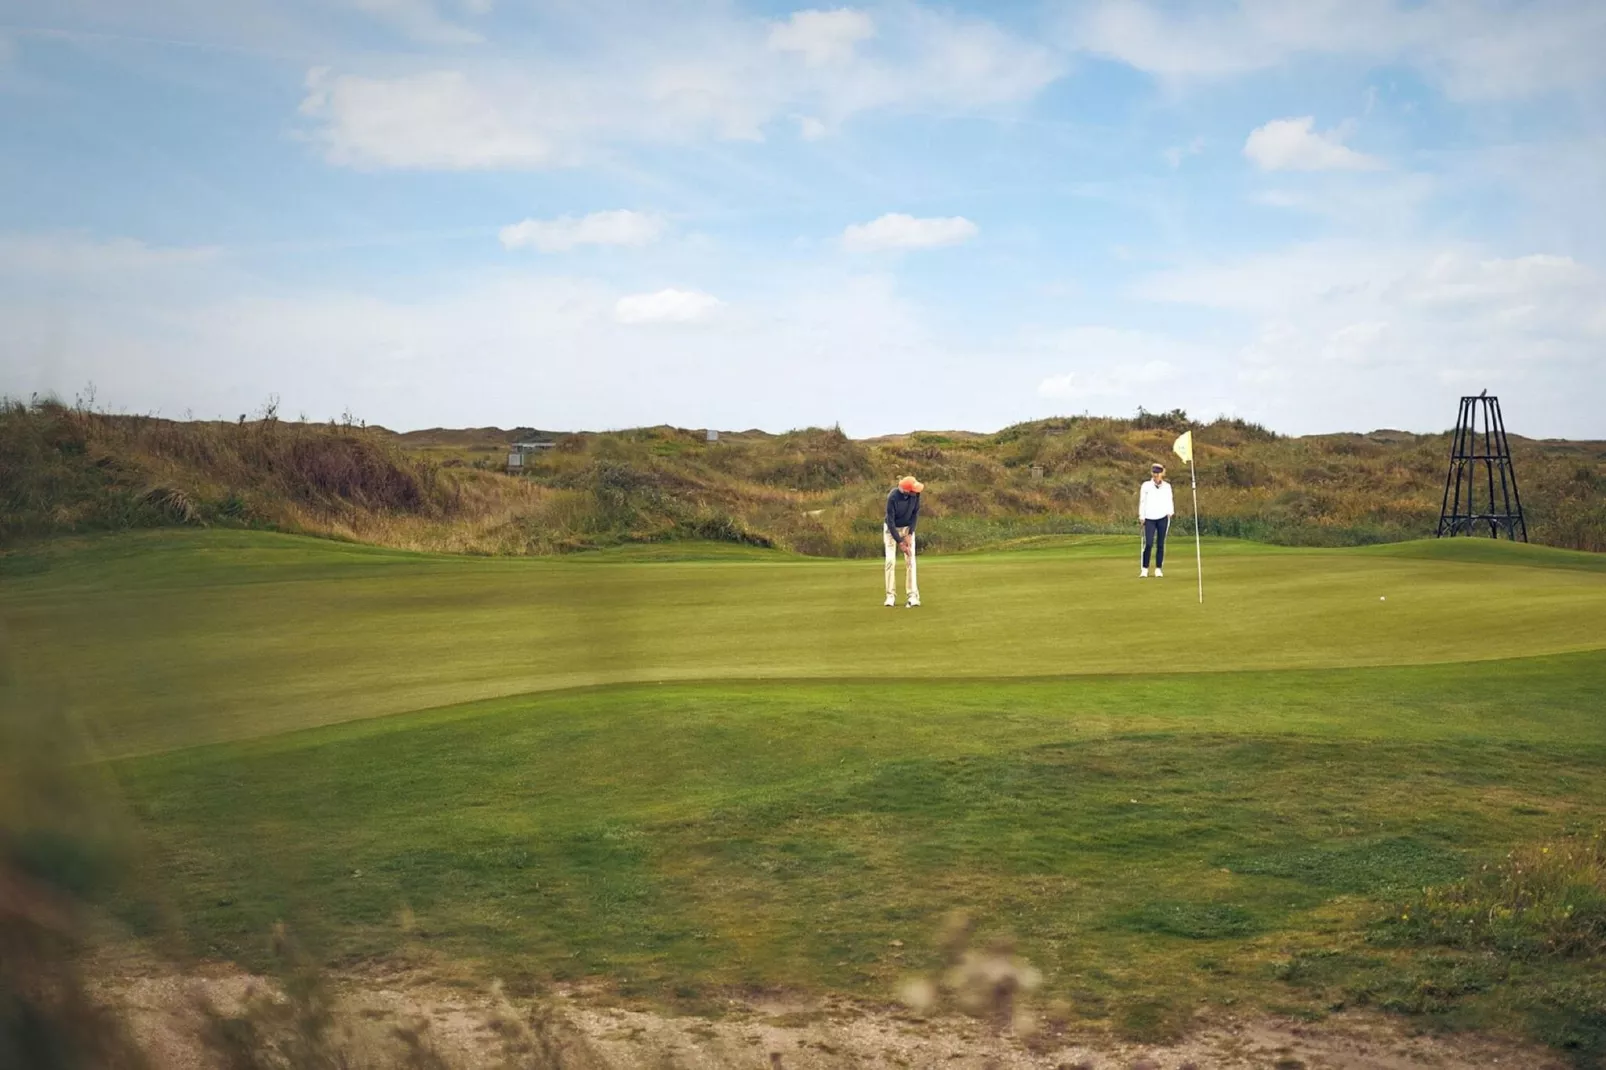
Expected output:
(812, 491)
(682, 770)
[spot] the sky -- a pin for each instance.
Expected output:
(586, 214)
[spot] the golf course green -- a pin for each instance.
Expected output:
(681, 770)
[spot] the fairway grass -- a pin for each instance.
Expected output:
(680, 778)
(1174, 844)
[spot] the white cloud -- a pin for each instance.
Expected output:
(1356, 343)
(1344, 325)
(1118, 382)
(1456, 278)
(1357, 203)
(898, 231)
(1330, 336)
(1170, 46)
(559, 349)
(666, 306)
(822, 37)
(1486, 50)
(436, 120)
(1294, 145)
(1111, 364)
(717, 76)
(1326, 335)
(419, 20)
(619, 227)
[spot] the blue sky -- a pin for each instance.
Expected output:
(1321, 216)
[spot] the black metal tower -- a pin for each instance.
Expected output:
(1480, 467)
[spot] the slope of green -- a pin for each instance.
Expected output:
(1157, 845)
(172, 639)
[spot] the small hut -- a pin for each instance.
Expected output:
(517, 452)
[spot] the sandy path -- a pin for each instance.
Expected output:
(471, 1029)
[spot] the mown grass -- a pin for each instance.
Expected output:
(1176, 840)
(176, 638)
(779, 784)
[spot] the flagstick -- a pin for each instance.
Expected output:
(1198, 555)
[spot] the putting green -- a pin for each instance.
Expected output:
(173, 639)
(785, 785)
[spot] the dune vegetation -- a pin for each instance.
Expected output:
(812, 491)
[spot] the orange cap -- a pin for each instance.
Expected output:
(911, 485)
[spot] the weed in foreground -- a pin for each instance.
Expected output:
(990, 983)
(56, 861)
(1527, 933)
(1544, 900)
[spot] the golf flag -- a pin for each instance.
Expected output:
(1184, 449)
(1183, 446)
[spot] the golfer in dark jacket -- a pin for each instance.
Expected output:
(903, 511)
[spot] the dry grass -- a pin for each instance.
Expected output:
(813, 491)
(66, 470)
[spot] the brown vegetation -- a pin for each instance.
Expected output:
(72, 470)
(812, 491)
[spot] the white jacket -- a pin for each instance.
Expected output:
(1154, 503)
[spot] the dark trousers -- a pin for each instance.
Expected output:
(1154, 536)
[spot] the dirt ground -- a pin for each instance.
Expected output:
(578, 1031)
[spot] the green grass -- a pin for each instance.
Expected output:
(173, 639)
(767, 779)
(1173, 838)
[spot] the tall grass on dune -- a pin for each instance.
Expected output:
(68, 470)
(813, 491)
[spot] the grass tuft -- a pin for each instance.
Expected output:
(1541, 900)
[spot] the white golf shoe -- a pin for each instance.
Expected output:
(1159, 573)
(891, 602)
(913, 603)
(1143, 573)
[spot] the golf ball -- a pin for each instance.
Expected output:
(1382, 598)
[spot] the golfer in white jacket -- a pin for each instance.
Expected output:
(1154, 513)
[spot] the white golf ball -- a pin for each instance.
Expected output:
(1382, 598)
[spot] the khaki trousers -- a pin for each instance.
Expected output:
(910, 580)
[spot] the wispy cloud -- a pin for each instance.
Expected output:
(898, 231)
(718, 77)
(439, 120)
(822, 37)
(1399, 308)
(1111, 364)
(77, 258)
(619, 227)
(666, 306)
(1177, 153)
(419, 20)
(1474, 51)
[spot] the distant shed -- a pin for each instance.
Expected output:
(520, 450)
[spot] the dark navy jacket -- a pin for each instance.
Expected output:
(902, 512)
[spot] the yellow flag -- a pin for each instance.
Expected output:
(1183, 446)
